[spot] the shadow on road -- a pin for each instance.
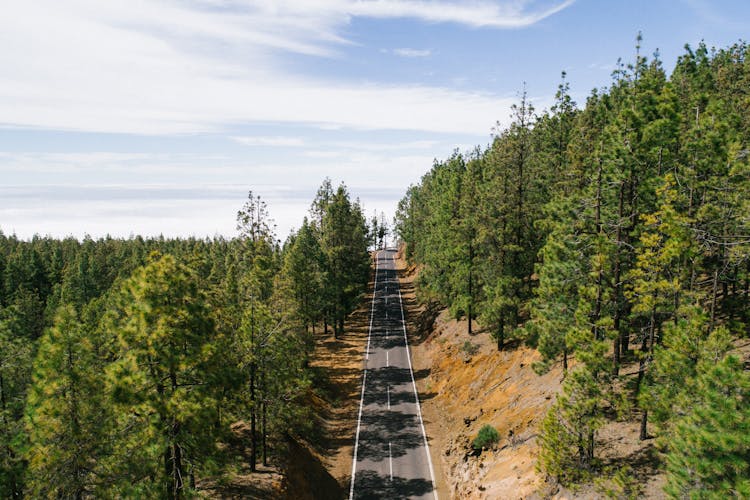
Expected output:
(372, 485)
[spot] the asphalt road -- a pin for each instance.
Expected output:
(391, 454)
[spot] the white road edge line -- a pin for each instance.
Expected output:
(390, 459)
(416, 395)
(364, 378)
(372, 309)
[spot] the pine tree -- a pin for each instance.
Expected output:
(709, 452)
(163, 381)
(15, 375)
(304, 270)
(65, 418)
(344, 242)
(568, 432)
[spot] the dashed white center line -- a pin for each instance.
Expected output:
(388, 389)
(387, 360)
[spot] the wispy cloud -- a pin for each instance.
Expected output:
(278, 141)
(477, 13)
(406, 52)
(172, 66)
(604, 67)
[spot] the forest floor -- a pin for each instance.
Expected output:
(318, 466)
(471, 384)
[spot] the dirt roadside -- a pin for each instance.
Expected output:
(464, 384)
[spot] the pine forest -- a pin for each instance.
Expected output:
(125, 362)
(612, 236)
(609, 234)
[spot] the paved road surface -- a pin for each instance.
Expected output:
(391, 454)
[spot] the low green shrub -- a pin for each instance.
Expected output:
(469, 348)
(487, 436)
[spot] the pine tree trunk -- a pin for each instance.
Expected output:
(177, 478)
(265, 435)
(167, 485)
(471, 288)
(176, 449)
(581, 449)
(501, 335)
(715, 292)
(599, 279)
(617, 343)
(253, 408)
(253, 437)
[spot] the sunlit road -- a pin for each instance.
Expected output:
(391, 454)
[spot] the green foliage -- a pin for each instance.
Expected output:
(343, 241)
(165, 376)
(469, 348)
(619, 485)
(65, 413)
(709, 452)
(608, 234)
(15, 375)
(123, 363)
(568, 432)
(486, 437)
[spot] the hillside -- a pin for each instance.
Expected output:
(611, 238)
(465, 383)
(463, 388)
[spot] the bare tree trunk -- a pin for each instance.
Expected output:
(714, 299)
(651, 339)
(501, 335)
(264, 432)
(600, 275)
(644, 426)
(617, 343)
(471, 287)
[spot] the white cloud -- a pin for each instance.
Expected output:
(279, 141)
(498, 14)
(406, 52)
(173, 66)
(143, 193)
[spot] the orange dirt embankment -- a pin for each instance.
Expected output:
(461, 392)
(321, 468)
(318, 467)
(463, 389)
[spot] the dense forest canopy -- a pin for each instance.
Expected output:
(123, 362)
(615, 232)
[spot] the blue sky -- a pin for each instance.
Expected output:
(157, 117)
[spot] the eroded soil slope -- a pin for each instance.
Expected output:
(466, 384)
